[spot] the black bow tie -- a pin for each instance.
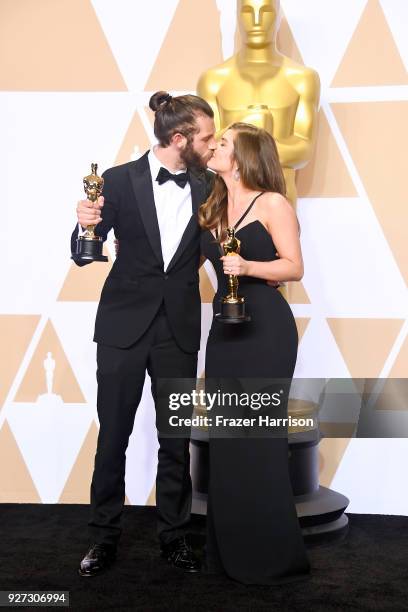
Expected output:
(164, 175)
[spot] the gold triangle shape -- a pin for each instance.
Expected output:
(134, 143)
(301, 324)
(16, 484)
(16, 332)
(189, 48)
(372, 57)
(84, 283)
(286, 43)
(296, 293)
(380, 157)
(151, 500)
(365, 343)
(55, 46)
(393, 395)
(207, 291)
(400, 366)
(326, 175)
(77, 486)
(64, 381)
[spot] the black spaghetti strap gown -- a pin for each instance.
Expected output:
(253, 533)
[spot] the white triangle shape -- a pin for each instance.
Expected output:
(63, 133)
(49, 434)
(396, 13)
(368, 463)
(141, 455)
(346, 255)
(318, 354)
(126, 24)
(322, 30)
(74, 324)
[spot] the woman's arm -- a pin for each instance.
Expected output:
(280, 219)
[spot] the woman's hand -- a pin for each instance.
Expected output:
(235, 264)
(275, 284)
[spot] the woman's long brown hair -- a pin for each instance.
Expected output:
(257, 158)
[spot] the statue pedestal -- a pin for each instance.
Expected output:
(320, 510)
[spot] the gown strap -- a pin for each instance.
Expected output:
(244, 214)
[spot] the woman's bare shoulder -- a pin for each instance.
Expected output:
(272, 201)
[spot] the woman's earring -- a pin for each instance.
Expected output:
(236, 175)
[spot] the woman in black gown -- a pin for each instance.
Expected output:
(253, 534)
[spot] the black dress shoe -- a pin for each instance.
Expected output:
(180, 554)
(97, 560)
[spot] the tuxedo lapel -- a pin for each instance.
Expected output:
(141, 180)
(197, 186)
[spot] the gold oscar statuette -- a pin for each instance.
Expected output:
(89, 246)
(232, 305)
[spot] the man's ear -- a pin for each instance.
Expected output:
(178, 140)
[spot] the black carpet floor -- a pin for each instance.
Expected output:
(41, 546)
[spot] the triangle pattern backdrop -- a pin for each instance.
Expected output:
(38, 54)
(16, 484)
(16, 332)
(187, 50)
(372, 57)
(34, 381)
(69, 48)
(380, 158)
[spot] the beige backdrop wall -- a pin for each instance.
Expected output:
(75, 79)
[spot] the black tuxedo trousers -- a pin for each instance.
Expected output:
(120, 376)
(148, 320)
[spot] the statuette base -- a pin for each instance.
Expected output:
(232, 313)
(89, 249)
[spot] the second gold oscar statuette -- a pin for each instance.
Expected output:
(232, 305)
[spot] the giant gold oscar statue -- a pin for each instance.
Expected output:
(261, 86)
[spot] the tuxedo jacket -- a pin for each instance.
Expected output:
(137, 283)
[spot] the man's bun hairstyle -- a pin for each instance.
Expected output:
(177, 115)
(158, 99)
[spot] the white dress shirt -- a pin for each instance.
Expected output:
(173, 207)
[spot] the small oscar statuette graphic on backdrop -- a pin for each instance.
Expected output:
(232, 306)
(89, 247)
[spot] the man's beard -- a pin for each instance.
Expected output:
(192, 159)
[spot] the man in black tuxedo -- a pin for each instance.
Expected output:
(149, 316)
